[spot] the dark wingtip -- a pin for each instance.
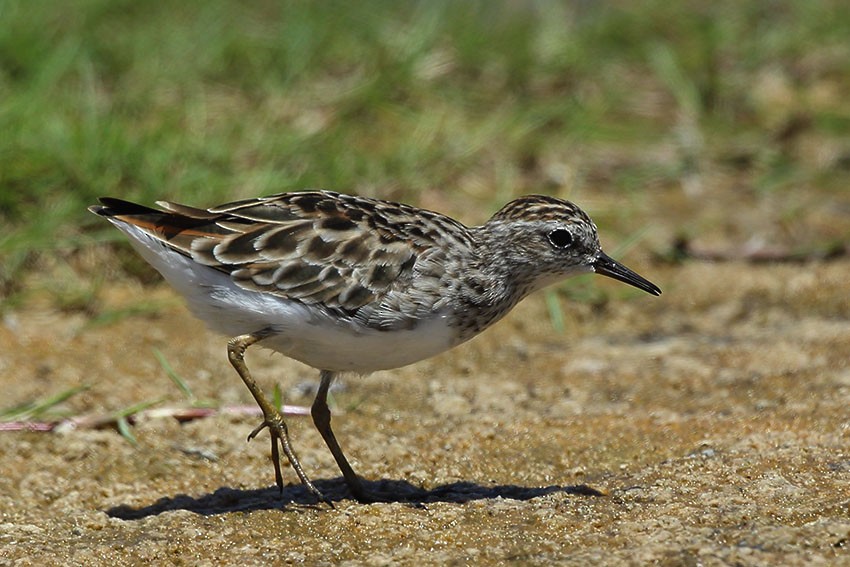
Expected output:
(110, 207)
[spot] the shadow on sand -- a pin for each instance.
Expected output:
(226, 500)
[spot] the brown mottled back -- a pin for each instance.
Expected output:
(341, 251)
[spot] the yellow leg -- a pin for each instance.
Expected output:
(271, 416)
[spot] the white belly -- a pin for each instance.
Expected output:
(345, 348)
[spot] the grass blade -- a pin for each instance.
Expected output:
(175, 377)
(124, 429)
(123, 423)
(38, 408)
(277, 397)
(556, 313)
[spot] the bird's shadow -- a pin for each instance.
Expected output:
(226, 500)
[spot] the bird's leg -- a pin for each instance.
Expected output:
(272, 418)
(322, 418)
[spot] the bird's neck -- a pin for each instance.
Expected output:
(488, 290)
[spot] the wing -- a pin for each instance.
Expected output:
(340, 251)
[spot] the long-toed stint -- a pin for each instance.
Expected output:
(351, 284)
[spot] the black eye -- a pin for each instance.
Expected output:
(560, 238)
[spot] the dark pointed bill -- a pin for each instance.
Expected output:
(608, 266)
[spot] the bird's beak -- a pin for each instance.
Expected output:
(608, 266)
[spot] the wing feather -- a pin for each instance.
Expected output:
(318, 247)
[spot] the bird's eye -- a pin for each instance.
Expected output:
(560, 238)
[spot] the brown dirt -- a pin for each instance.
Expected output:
(707, 426)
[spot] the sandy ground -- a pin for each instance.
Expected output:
(708, 426)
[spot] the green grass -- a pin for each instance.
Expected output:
(207, 101)
(48, 407)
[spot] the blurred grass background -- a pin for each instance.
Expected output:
(726, 121)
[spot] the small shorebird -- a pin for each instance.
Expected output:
(351, 284)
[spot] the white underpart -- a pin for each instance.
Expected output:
(301, 332)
